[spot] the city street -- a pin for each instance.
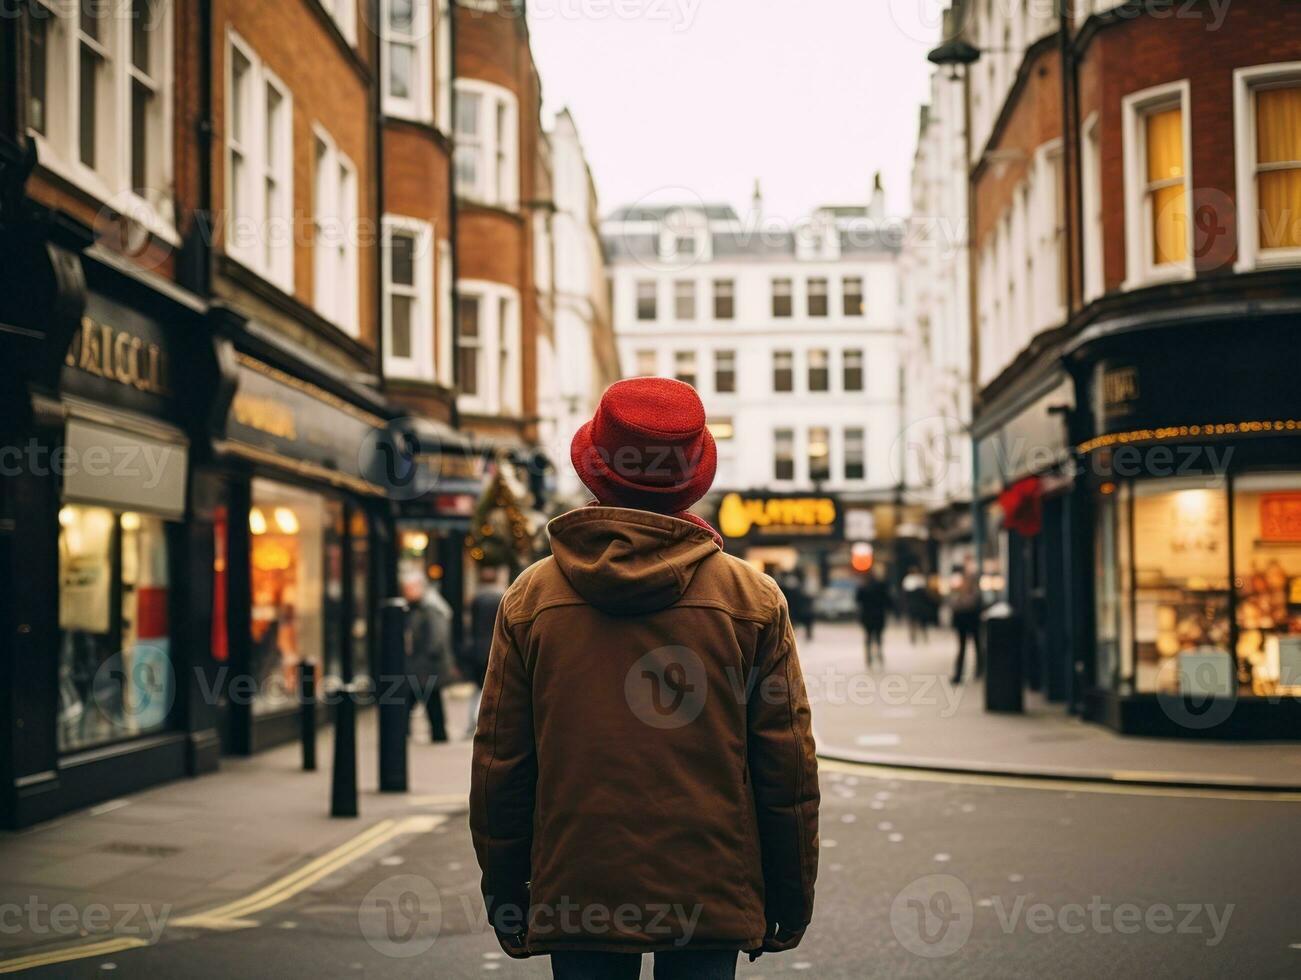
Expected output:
(922, 875)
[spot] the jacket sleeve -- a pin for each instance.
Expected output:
(784, 770)
(503, 781)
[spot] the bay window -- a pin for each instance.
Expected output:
(488, 348)
(99, 101)
(1158, 185)
(334, 208)
(1267, 123)
(487, 161)
(259, 167)
(408, 298)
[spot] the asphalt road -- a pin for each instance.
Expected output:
(918, 879)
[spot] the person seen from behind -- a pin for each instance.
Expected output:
(644, 778)
(873, 600)
(429, 665)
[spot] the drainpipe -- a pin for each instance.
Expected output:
(455, 325)
(377, 116)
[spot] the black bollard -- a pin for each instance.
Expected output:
(343, 787)
(1003, 641)
(394, 710)
(307, 713)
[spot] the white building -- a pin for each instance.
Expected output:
(577, 359)
(791, 336)
(936, 321)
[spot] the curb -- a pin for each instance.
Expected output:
(1115, 777)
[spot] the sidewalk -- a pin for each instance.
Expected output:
(197, 845)
(909, 714)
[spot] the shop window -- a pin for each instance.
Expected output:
(783, 371)
(724, 299)
(1158, 182)
(1267, 580)
(1112, 585)
(783, 303)
(1180, 530)
(853, 295)
(725, 372)
(819, 454)
(1267, 120)
(115, 669)
(297, 590)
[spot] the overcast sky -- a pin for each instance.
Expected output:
(809, 96)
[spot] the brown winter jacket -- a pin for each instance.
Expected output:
(644, 773)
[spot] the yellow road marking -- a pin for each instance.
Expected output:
(69, 953)
(235, 914)
(879, 771)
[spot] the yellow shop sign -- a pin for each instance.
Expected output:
(740, 516)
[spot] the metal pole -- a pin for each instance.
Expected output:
(394, 710)
(307, 713)
(343, 785)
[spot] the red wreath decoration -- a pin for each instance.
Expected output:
(1023, 507)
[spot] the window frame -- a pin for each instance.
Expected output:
(1091, 208)
(823, 372)
(1246, 82)
(420, 365)
(496, 146)
(1136, 107)
(684, 295)
(845, 294)
(499, 349)
(778, 371)
(339, 177)
(722, 296)
(419, 106)
(58, 148)
(845, 369)
(691, 360)
(788, 298)
(254, 256)
(856, 458)
(721, 372)
(642, 313)
(781, 436)
(823, 294)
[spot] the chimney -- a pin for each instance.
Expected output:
(876, 208)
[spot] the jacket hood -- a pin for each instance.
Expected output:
(628, 562)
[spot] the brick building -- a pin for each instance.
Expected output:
(236, 406)
(1135, 179)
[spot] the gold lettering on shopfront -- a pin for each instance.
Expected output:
(737, 515)
(1120, 387)
(266, 415)
(118, 356)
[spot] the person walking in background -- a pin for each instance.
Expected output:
(429, 652)
(916, 604)
(644, 744)
(965, 605)
(873, 599)
(483, 617)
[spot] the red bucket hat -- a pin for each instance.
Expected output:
(647, 447)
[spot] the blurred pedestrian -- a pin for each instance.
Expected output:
(916, 604)
(429, 652)
(610, 774)
(483, 617)
(965, 605)
(873, 600)
(798, 600)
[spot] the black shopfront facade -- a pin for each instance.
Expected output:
(1189, 465)
(294, 506)
(106, 380)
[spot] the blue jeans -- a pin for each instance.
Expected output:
(678, 964)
